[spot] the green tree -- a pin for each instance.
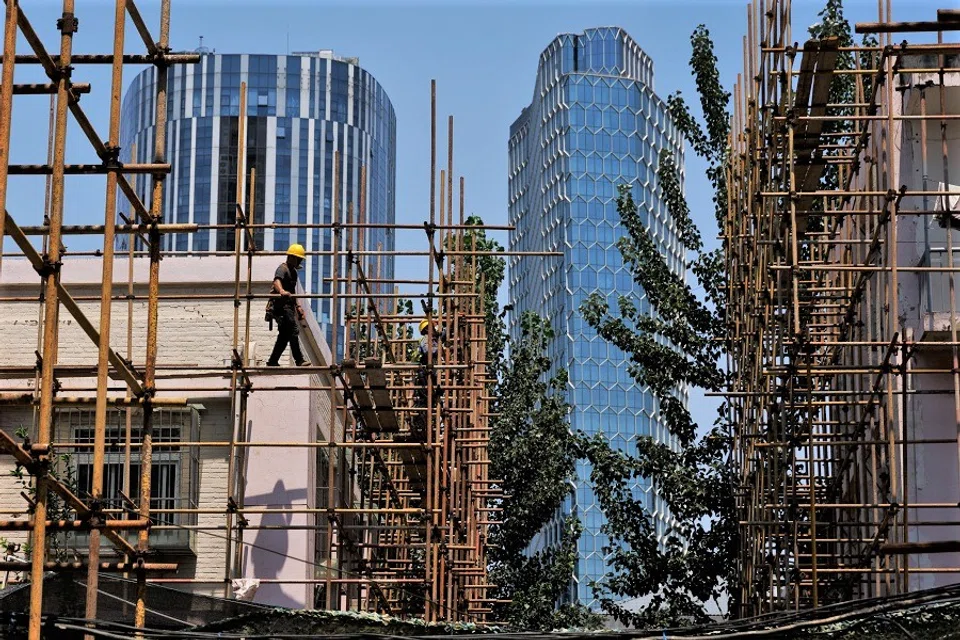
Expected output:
(533, 452)
(672, 347)
(60, 468)
(489, 273)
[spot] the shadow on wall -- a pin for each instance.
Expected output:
(268, 554)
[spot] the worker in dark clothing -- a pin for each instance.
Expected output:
(286, 310)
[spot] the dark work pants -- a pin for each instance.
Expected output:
(288, 333)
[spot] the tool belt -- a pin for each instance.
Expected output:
(270, 313)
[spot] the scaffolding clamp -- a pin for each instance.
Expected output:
(48, 267)
(96, 516)
(68, 23)
(149, 393)
(111, 157)
(39, 465)
(234, 508)
(159, 56)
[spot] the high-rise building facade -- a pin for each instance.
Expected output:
(301, 109)
(594, 123)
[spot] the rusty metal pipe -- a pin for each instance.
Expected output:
(45, 88)
(906, 27)
(106, 306)
(85, 169)
(6, 108)
(27, 458)
(150, 365)
(19, 399)
(106, 58)
(51, 316)
(50, 66)
(75, 525)
(239, 425)
(112, 567)
(335, 315)
(910, 548)
(98, 229)
(406, 254)
(142, 29)
(41, 266)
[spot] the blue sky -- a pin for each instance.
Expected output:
(483, 56)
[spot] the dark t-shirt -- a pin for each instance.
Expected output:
(287, 278)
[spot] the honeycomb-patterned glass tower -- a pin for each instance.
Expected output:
(594, 123)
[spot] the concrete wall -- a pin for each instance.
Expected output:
(276, 479)
(194, 333)
(925, 313)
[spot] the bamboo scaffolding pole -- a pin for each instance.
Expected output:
(97, 58)
(150, 364)
(430, 560)
(238, 425)
(411, 512)
(827, 376)
(184, 227)
(50, 326)
(315, 253)
(334, 350)
(6, 96)
(103, 358)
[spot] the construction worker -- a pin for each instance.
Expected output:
(286, 309)
(425, 342)
(431, 347)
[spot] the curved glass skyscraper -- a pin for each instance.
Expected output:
(300, 109)
(594, 123)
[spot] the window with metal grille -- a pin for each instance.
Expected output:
(174, 468)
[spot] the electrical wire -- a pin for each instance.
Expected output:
(101, 627)
(759, 627)
(150, 611)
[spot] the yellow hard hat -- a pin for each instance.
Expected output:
(424, 324)
(297, 250)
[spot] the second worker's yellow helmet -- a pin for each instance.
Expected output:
(297, 250)
(424, 324)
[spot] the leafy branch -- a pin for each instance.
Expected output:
(673, 344)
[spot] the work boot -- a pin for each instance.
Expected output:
(304, 363)
(273, 364)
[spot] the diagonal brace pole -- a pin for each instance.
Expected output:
(23, 457)
(119, 364)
